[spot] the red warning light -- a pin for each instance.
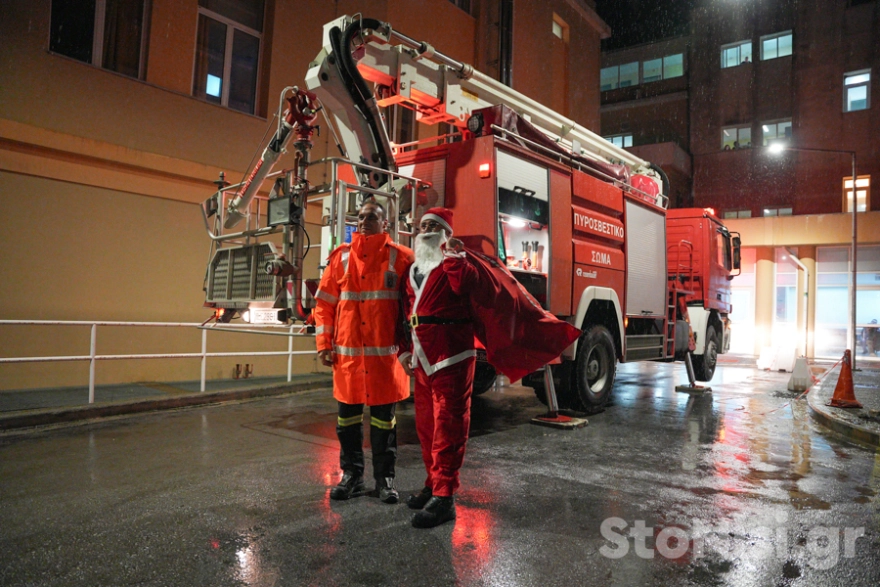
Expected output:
(710, 211)
(485, 170)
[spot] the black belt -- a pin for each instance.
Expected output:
(416, 320)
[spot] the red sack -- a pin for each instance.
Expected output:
(519, 335)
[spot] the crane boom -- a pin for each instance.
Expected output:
(439, 88)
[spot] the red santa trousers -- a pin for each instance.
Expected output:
(443, 420)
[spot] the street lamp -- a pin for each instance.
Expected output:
(780, 146)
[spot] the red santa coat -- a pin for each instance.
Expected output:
(443, 294)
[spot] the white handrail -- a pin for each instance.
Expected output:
(93, 357)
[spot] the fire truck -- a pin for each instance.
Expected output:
(581, 224)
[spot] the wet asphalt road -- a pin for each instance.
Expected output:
(738, 487)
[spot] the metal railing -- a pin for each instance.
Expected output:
(93, 357)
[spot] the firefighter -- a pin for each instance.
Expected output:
(442, 361)
(358, 319)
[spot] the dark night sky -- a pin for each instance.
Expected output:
(641, 21)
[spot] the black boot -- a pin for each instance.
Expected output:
(386, 491)
(437, 511)
(417, 501)
(351, 485)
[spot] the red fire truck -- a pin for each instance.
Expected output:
(581, 224)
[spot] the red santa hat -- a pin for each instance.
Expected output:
(442, 216)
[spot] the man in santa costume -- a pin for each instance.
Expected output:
(454, 294)
(442, 361)
(358, 321)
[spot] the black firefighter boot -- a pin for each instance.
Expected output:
(351, 461)
(417, 501)
(438, 510)
(383, 438)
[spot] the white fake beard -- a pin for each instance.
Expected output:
(428, 252)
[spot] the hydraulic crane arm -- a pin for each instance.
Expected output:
(437, 87)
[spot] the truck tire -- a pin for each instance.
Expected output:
(704, 365)
(484, 377)
(594, 369)
(561, 384)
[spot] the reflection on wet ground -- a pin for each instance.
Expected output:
(734, 487)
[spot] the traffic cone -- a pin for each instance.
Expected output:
(844, 396)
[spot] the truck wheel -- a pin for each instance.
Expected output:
(594, 369)
(561, 384)
(704, 365)
(484, 377)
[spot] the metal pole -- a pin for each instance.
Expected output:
(92, 353)
(290, 356)
(855, 207)
(204, 359)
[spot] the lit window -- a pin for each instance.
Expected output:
(106, 33)
(560, 27)
(652, 70)
(777, 211)
(629, 74)
(771, 131)
(778, 45)
(857, 90)
(228, 79)
(863, 191)
(609, 78)
(736, 137)
(736, 53)
(737, 214)
(673, 66)
(622, 141)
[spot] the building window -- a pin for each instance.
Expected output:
(770, 131)
(857, 90)
(629, 74)
(777, 211)
(737, 214)
(736, 137)
(106, 33)
(652, 70)
(673, 66)
(622, 141)
(778, 45)
(863, 193)
(463, 4)
(608, 78)
(228, 52)
(560, 27)
(736, 53)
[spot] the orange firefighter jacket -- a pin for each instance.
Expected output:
(359, 317)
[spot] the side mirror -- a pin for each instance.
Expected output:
(737, 257)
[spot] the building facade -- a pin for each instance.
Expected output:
(116, 117)
(772, 108)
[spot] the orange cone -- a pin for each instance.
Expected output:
(844, 396)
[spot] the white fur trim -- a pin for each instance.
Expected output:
(439, 221)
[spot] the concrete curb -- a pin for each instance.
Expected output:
(837, 419)
(65, 415)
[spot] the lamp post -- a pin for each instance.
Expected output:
(779, 147)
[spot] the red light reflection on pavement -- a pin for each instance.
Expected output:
(473, 540)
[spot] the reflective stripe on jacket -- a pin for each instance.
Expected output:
(358, 317)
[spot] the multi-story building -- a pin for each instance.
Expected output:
(769, 113)
(116, 117)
